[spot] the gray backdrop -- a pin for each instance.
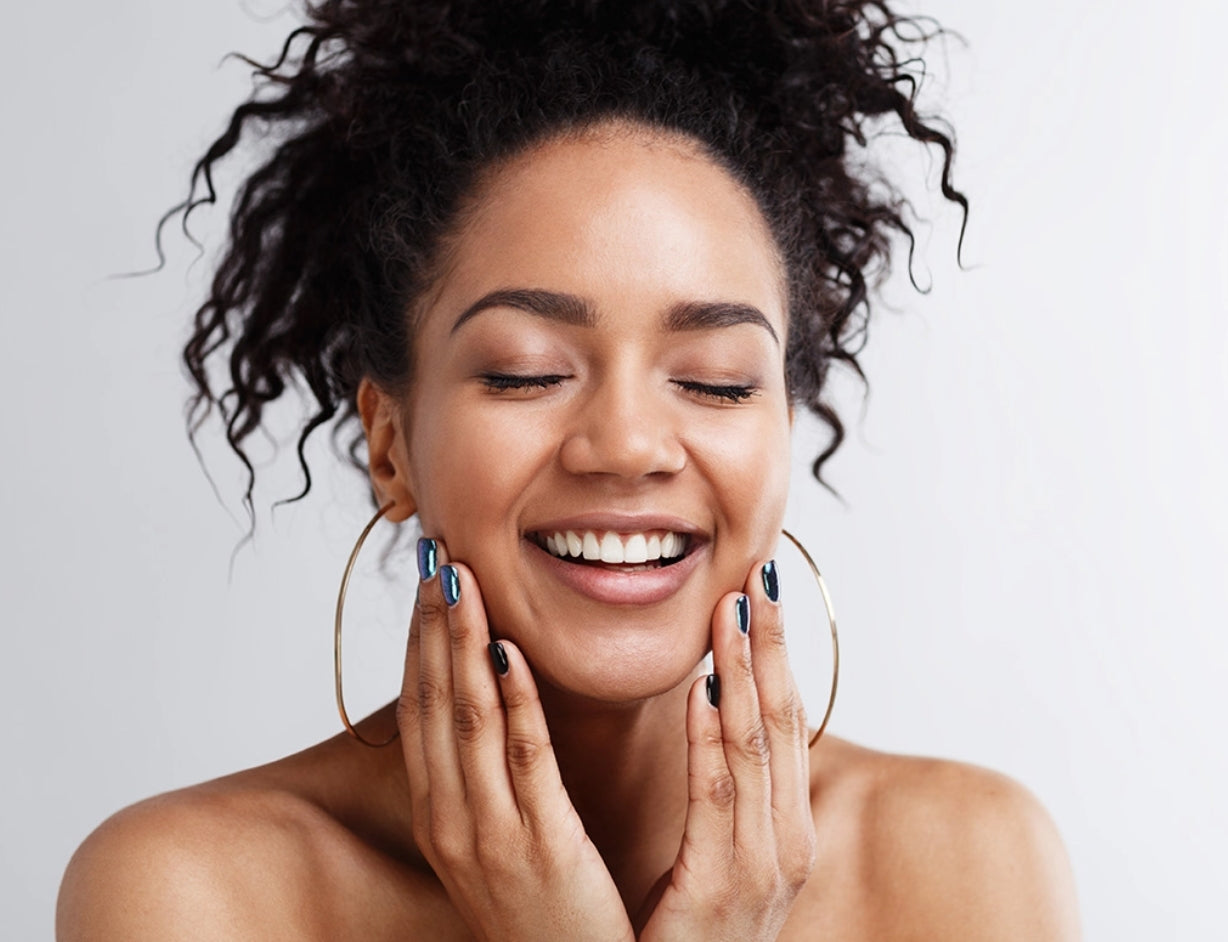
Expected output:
(1029, 565)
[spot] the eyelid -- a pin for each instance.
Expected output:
(499, 381)
(733, 393)
(727, 392)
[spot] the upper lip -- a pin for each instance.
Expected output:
(618, 523)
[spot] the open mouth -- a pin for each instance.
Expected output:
(626, 552)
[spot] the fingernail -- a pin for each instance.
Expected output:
(771, 581)
(428, 557)
(741, 611)
(713, 688)
(498, 657)
(450, 582)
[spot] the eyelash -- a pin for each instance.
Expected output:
(725, 393)
(502, 382)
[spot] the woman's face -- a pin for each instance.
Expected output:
(604, 354)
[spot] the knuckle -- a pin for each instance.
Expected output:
(753, 745)
(721, 791)
(772, 633)
(788, 719)
(797, 859)
(500, 854)
(407, 710)
(460, 632)
(469, 720)
(782, 724)
(448, 843)
(525, 753)
(491, 849)
(744, 667)
(515, 698)
(432, 697)
(799, 713)
(761, 884)
(431, 610)
(797, 873)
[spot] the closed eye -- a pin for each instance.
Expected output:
(498, 382)
(725, 393)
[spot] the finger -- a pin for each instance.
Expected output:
(408, 715)
(745, 739)
(408, 722)
(780, 702)
(529, 754)
(478, 721)
(434, 689)
(710, 787)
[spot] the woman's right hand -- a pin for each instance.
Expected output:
(490, 812)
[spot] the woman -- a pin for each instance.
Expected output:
(571, 267)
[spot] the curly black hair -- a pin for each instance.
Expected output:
(381, 114)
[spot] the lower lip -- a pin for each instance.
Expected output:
(611, 587)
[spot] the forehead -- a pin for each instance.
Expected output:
(629, 218)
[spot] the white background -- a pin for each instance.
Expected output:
(1028, 566)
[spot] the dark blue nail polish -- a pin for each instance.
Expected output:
(741, 611)
(450, 582)
(428, 557)
(498, 657)
(771, 581)
(713, 689)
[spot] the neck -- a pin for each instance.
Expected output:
(624, 767)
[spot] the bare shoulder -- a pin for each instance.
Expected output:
(943, 849)
(195, 864)
(304, 848)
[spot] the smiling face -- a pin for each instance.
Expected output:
(600, 371)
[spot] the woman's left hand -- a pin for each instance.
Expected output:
(749, 843)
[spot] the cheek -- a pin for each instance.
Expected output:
(471, 464)
(773, 475)
(749, 466)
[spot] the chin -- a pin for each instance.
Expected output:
(611, 686)
(618, 657)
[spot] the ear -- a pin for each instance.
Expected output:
(387, 450)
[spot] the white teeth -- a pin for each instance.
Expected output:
(592, 549)
(636, 550)
(610, 547)
(572, 545)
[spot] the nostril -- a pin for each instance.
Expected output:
(630, 442)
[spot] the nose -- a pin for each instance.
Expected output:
(625, 427)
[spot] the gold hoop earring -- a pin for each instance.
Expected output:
(345, 584)
(831, 624)
(362, 537)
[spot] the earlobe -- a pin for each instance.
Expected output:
(387, 452)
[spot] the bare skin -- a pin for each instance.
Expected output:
(306, 848)
(603, 351)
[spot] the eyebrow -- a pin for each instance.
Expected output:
(707, 315)
(570, 309)
(552, 305)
